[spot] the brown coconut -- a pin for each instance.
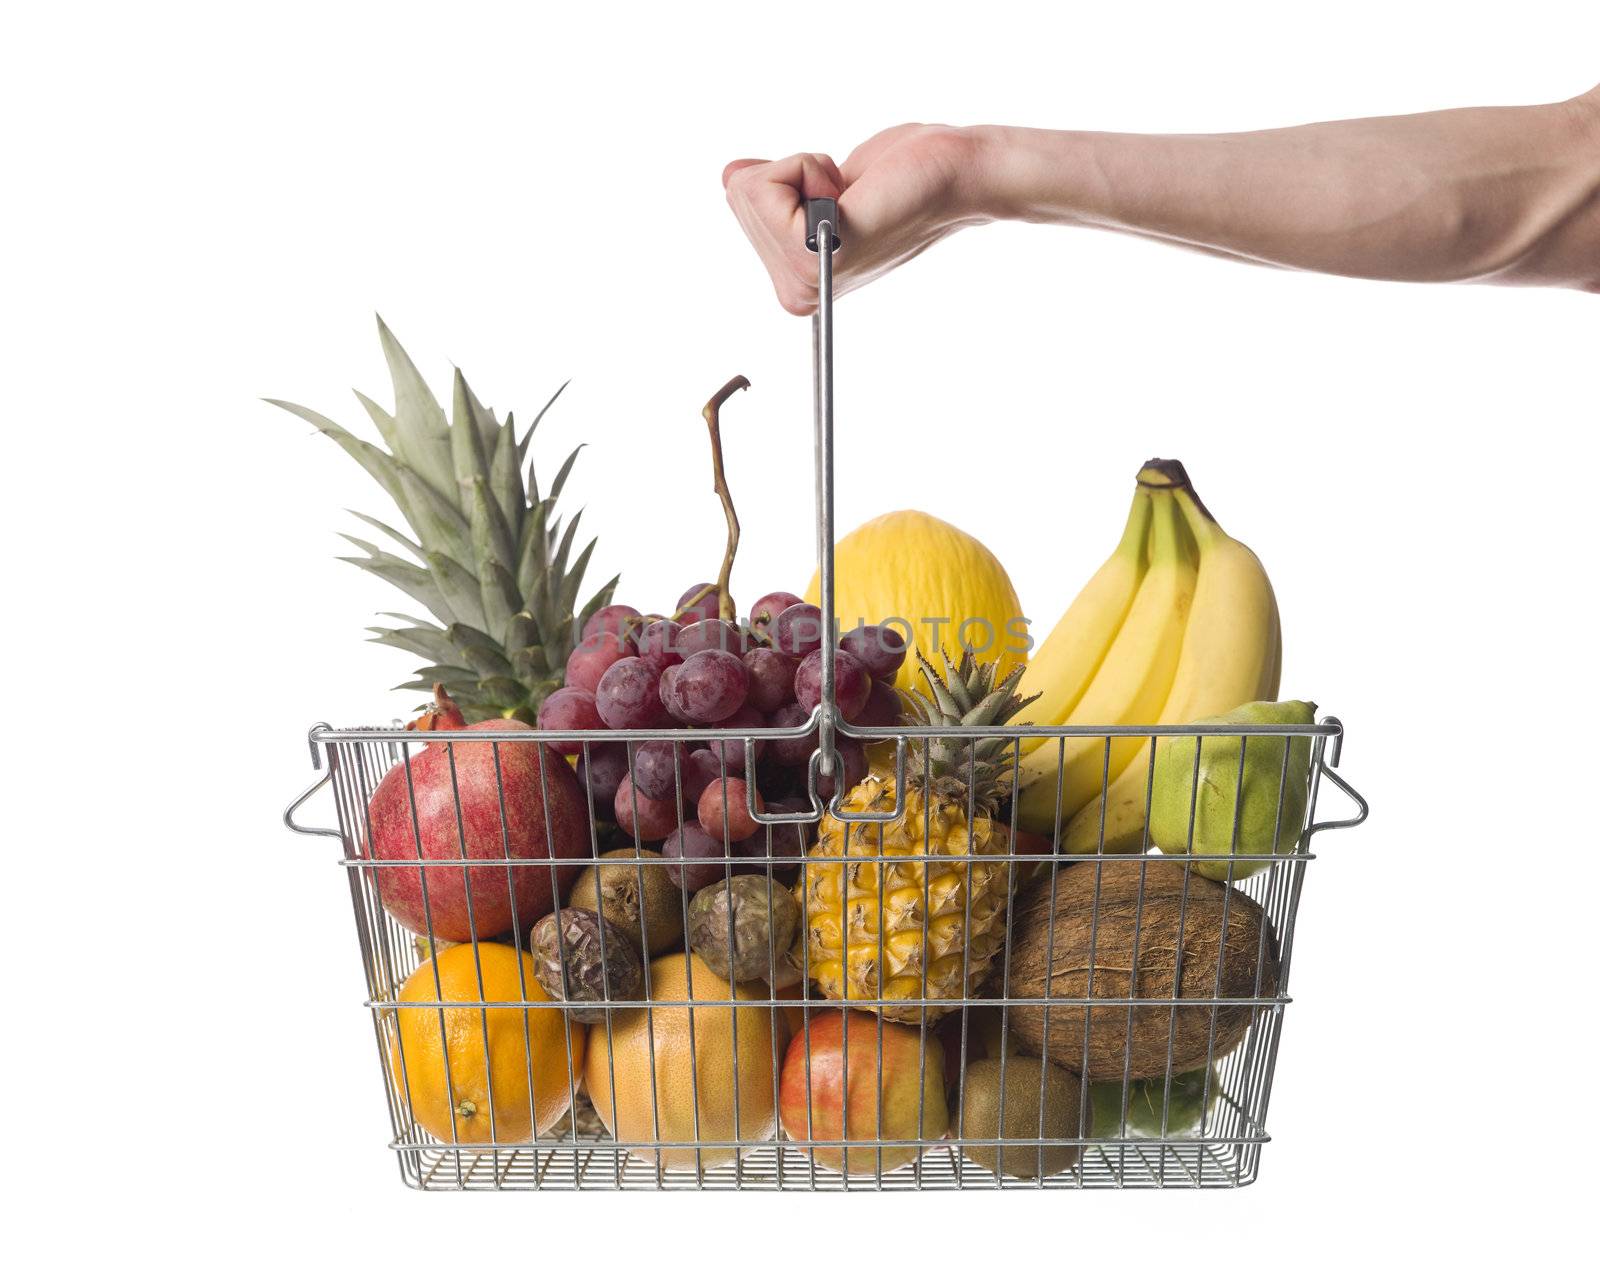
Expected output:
(1099, 1042)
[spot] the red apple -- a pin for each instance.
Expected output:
(885, 1101)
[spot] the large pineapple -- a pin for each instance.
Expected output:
(495, 564)
(931, 929)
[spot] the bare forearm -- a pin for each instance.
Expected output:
(1507, 195)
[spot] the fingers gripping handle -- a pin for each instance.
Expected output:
(822, 210)
(821, 215)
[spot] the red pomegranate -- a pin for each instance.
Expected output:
(443, 714)
(530, 890)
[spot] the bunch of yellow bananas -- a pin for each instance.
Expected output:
(1180, 623)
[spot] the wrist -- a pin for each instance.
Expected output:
(1025, 174)
(979, 194)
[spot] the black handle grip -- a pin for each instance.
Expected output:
(818, 210)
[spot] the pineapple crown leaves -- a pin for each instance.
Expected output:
(488, 556)
(965, 694)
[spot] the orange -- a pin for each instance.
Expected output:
(524, 1045)
(668, 1098)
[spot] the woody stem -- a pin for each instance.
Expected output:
(712, 413)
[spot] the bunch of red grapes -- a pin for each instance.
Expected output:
(697, 670)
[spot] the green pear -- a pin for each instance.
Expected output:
(1230, 818)
(1147, 1100)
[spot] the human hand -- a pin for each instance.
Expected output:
(1503, 195)
(898, 193)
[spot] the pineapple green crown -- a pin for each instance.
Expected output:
(966, 694)
(495, 563)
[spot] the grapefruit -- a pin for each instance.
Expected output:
(661, 1106)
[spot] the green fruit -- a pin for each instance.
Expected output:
(1058, 1109)
(1185, 1108)
(1228, 819)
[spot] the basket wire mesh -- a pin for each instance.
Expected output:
(1220, 1148)
(1129, 1131)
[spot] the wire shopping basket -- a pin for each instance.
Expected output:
(929, 999)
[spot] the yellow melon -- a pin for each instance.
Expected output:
(921, 574)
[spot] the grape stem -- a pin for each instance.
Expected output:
(719, 481)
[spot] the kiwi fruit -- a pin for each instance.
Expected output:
(981, 1116)
(637, 897)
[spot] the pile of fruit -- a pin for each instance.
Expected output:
(837, 960)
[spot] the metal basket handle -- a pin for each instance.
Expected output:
(327, 778)
(822, 220)
(288, 815)
(1327, 758)
(822, 217)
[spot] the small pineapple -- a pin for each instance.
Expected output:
(929, 931)
(496, 566)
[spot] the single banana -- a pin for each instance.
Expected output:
(1273, 675)
(1061, 669)
(1231, 654)
(1130, 686)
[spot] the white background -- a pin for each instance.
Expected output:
(206, 204)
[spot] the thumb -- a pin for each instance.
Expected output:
(739, 164)
(818, 176)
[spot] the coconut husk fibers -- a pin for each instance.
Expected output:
(1111, 1045)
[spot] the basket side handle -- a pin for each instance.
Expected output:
(288, 815)
(327, 778)
(1327, 759)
